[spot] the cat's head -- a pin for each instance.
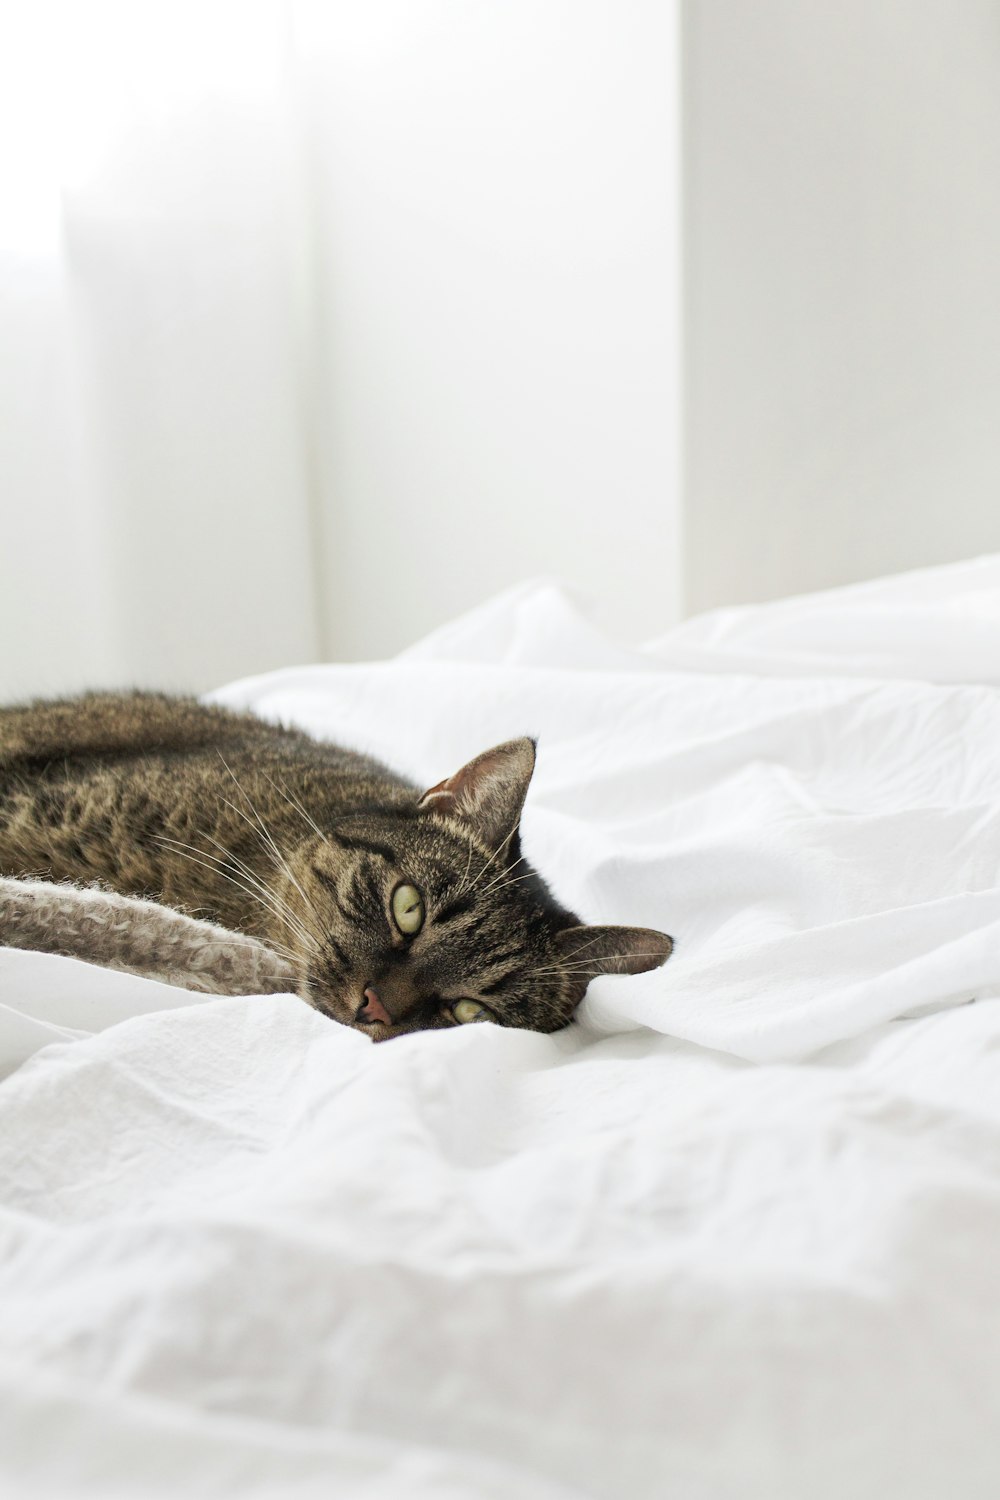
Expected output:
(426, 915)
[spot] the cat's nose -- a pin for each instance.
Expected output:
(372, 1008)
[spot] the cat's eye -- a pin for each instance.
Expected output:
(408, 909)
(470, 1010)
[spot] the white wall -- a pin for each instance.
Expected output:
(497, 284)
(153, 515)
(321, 320)
(842, 251)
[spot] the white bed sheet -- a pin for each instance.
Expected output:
(734, 1234)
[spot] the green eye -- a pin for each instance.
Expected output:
(470, 1010)
(408, 909)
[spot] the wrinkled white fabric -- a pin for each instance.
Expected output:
(733, 1235)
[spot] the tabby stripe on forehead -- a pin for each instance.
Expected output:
(363, 846)
(498, 984)
(328, 880)
(338, 952)
(348, 909)
(373, 886)
(456, 908)
(501, 958)
(363, 892)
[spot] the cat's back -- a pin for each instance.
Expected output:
(109, 785)
(118, 729)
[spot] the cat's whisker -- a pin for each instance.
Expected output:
(283, 950)
(587, 968)
(280, 951)
(514, 880)
(215, 868)
(263, 895)
(242, 866)
(502, 874)
(293, 801)
(577, 958)
(259, 829)
(282, 869)
(598, 937)
(287, 955)
(468, 866)
(281, 905)
(502, 845)
(282, 861)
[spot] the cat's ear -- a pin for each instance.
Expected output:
(489, 791)
(589, 951)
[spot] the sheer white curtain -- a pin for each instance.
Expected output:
(322, 319)
(153, 443)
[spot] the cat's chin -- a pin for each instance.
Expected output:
(375, 1031)
(329, 1006)
(380, 1033)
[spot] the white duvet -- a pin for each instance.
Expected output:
(735, 1234)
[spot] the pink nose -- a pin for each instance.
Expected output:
(373, 1009)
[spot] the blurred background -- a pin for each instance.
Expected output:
(323, 320)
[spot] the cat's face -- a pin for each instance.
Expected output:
(429, 917)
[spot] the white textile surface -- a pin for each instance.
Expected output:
(734, 1234)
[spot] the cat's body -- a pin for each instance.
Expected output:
(398, 911)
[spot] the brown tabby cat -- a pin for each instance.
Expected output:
(398, 911)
